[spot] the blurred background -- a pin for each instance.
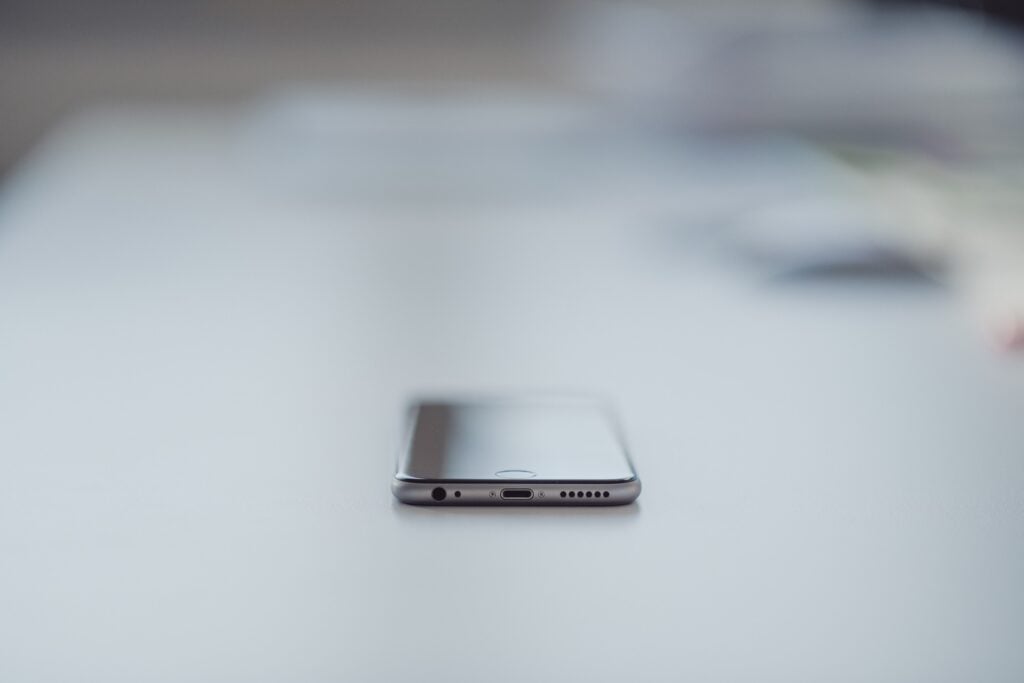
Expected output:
(58, 56)
(921, 102)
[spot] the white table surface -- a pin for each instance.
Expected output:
(202, 375)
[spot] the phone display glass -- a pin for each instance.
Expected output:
(559, 442)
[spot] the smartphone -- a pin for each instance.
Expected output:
(537, 451)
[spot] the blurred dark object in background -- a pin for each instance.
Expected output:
(1011, 11)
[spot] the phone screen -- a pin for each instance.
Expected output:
(555, 440)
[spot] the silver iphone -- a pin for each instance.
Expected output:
(535, 451)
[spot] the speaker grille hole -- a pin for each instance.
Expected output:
(579, 494)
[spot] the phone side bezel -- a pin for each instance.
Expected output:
(488, 492)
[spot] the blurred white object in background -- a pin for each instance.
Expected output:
(814, 68)
(418, 145)
(939, 91)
